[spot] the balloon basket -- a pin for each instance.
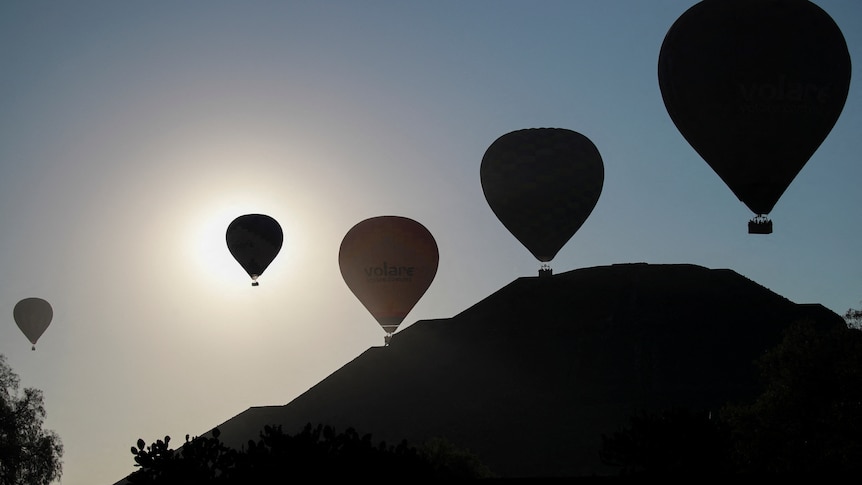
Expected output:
(545, 271)
(760, 225)
(255, 283)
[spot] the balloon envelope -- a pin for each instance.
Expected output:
(254, 240)
(755, 86)
(388, 262)
(33, 315)
(542, 183)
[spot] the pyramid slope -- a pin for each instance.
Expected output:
(530, 378)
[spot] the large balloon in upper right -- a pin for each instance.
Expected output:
(542, 183)
(755, 86)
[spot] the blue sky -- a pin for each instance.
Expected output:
(132, 133)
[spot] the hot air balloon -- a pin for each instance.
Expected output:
(755, 86)
(33, 315)
(388, 262)
(542, 184)
(254, 240)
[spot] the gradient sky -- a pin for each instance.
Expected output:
(132, 133)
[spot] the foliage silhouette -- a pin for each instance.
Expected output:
(809, 417)
(853, 317)
(29, 454)
(673, 442)
(807, 420)
(317, 452)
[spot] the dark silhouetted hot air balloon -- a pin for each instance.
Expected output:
(755, 86)
(33, 315)
(388, 262)
(254, 240)
(542, 183)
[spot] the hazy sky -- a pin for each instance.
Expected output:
(132, 133)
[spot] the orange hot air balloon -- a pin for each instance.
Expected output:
(388, 262)
(755, 86)
(33, 315)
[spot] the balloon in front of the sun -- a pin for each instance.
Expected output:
(254, 240)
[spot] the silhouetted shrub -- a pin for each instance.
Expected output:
(315, 452)
(672, 443)
(853, 317)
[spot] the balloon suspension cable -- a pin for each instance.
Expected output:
(386, 339)
(254, 280)
(760, 224)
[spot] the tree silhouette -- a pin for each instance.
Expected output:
(853, 317)
(29, 455)
(809, 417)
(317, 452)
(806, 421)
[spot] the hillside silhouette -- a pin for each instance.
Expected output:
(531, 378)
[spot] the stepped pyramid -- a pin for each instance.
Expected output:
(531, 377)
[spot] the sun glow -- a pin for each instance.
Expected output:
(209, 250)
(247, 175)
